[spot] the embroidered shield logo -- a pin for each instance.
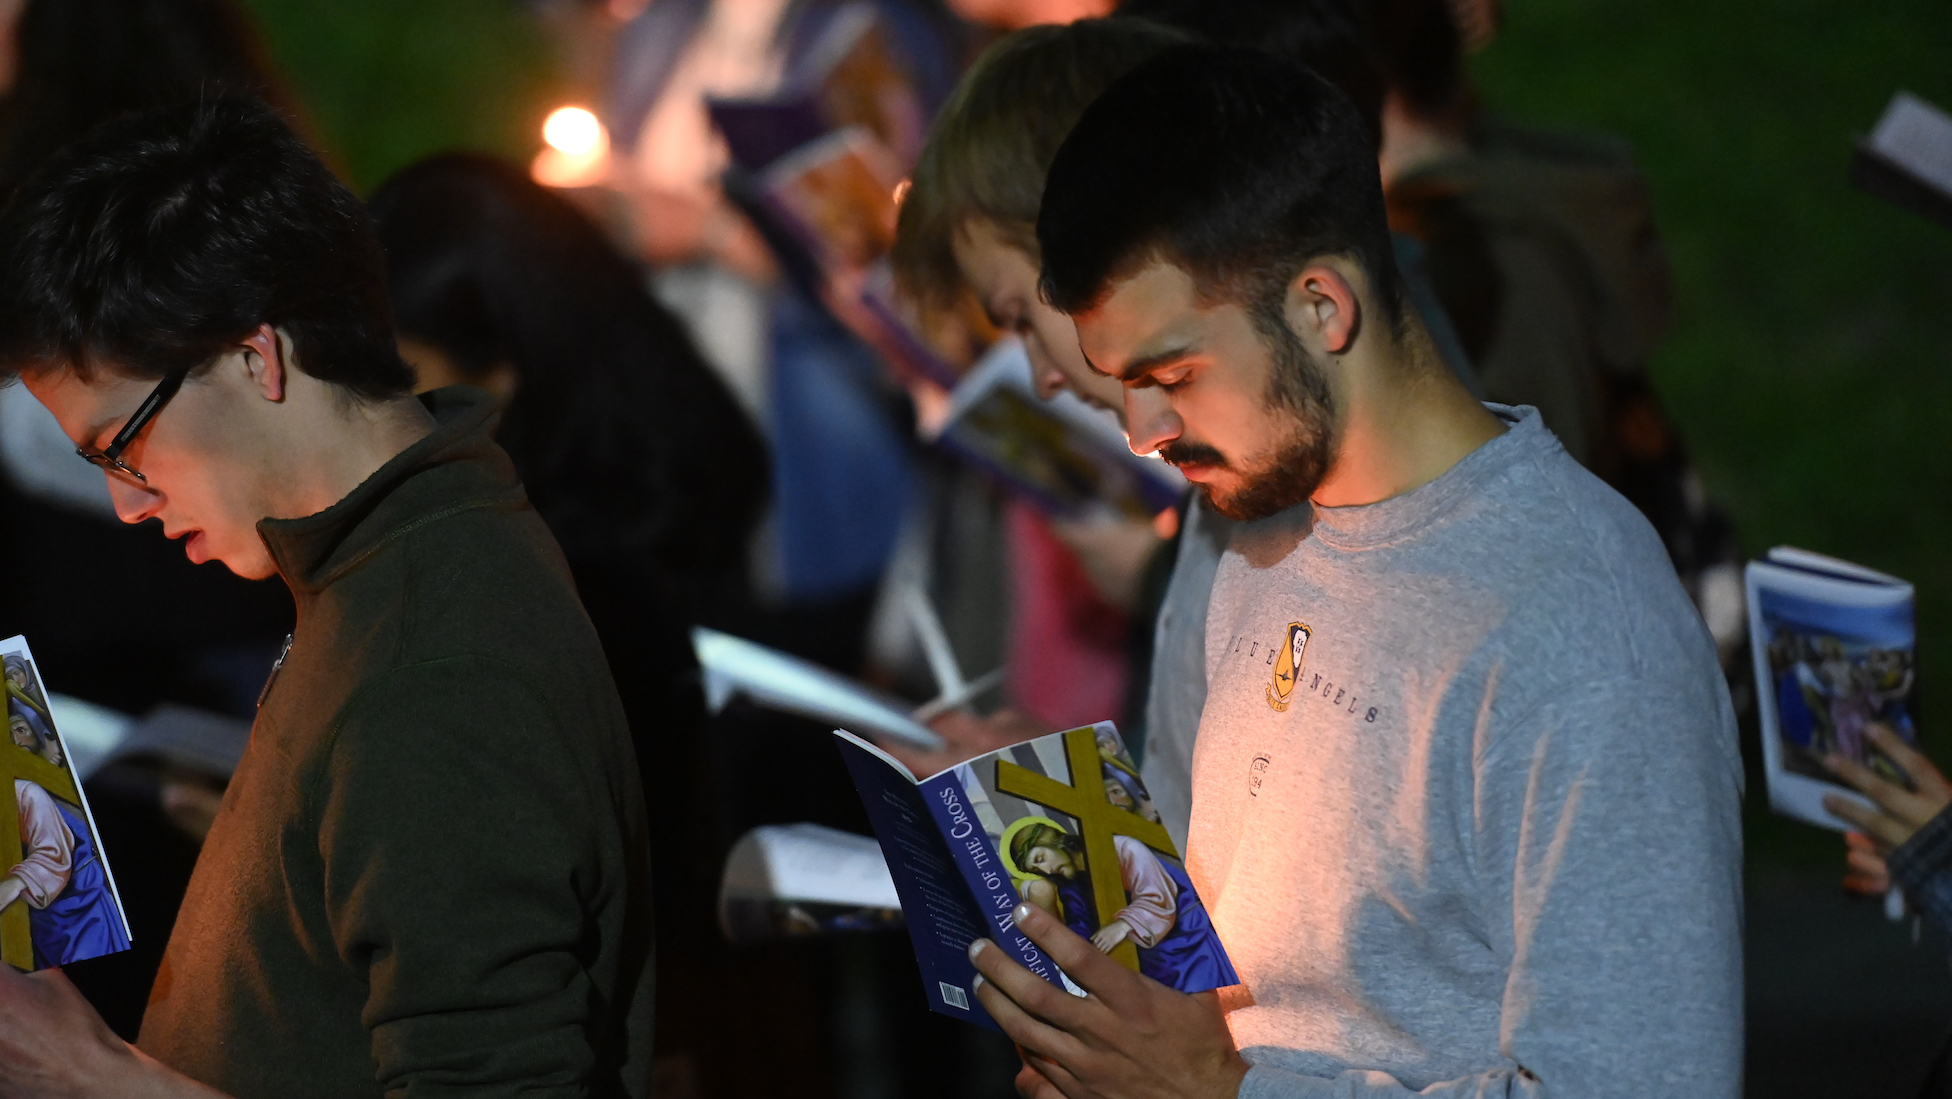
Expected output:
(1287, 667)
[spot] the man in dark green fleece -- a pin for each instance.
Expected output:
(430, 873)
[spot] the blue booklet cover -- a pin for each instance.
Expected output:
(58, 902)
(1062, 822)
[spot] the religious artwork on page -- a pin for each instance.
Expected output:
(58, 902)
(1063, 822)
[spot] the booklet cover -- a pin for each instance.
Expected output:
(1832, 643)
(1062, 453)
(1062, 822)
(58, 903)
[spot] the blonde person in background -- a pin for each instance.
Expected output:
(968, 228)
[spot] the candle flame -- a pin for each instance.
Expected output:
(574, 130)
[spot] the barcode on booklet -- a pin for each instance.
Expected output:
(953, 996)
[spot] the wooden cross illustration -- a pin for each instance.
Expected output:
(1098, 821)
(16, 943)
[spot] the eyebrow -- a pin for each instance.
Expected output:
(1143, 365)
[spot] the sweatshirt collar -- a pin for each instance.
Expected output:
(1366, 526)
(455, 467)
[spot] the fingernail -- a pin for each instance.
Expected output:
(1021, 914)
(977, 947)
(976, 985)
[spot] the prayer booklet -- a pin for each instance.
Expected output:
(59, 899)
(1062, 453)
(1062, 822)
(1907, 158)
(796, 880)
(847, 76)
(1833, 653)
(781, 681)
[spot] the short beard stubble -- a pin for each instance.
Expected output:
(1295, 470)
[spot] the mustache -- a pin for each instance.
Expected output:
(1198, 454)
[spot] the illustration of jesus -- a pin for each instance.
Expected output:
(1162, 916)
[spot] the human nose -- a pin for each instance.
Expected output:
(133, 502)
(1045, 377)
(1150, 421)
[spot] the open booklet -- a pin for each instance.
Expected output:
(1062, 453)
(1062, 822)
(58, 904)
(1832, 643)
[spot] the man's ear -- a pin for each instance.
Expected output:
(1322, 304)
(266, 358)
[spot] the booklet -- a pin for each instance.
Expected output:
(782, 681)
(795, 880)
(58, 904)
(1833, 653)
(848, 76)
(1062, 822)
(1065, 455)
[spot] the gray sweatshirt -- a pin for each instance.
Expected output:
(1465, 796)
(1176, 692)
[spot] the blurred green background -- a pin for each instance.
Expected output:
(1811, 363)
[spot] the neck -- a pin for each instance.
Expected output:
(344, 445)
(1403, 421)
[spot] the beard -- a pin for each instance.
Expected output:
(1294, 468)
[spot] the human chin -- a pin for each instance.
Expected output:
(1286, 480)
(242, 552)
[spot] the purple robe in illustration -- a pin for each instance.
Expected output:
(1175, 938)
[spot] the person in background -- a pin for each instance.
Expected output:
(633, 452)
(1429, 767)
(1905, 841)
(431, 870)
(185, 634)
(1905, 835)
(1542, 247)
(967, 229)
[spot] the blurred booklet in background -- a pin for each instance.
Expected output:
(795, 880)
(1832, 643)
(1907, 158)
(1062, 822)
(848, 76)
(58, 903)
(781, 681)
(1062, 453)
(837, 196)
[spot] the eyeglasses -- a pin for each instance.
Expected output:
(111, 458)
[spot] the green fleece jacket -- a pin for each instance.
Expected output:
(430, 875)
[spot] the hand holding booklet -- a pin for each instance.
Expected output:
(1062, 822)
(1833, 655)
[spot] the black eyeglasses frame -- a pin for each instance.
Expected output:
(110, 458)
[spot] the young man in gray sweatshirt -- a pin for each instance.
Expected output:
(1465, 788)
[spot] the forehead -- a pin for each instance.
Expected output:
(987, 254)
(1152, 307)
(86, 407)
